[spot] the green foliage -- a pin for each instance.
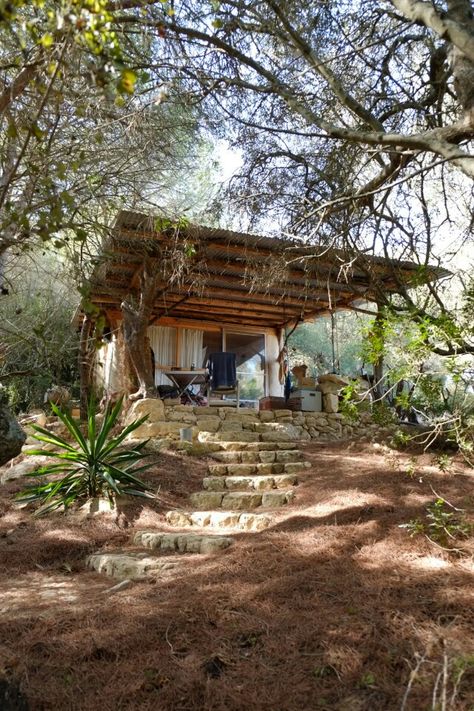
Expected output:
(39, 344)
(94, 465)
(348, 398)
(382, 414)
(441, 524)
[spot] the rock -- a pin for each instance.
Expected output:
(266, 415)
(182, 542)
(241, 469)
(178, 518)
(57, 395)
(283, 432)
(254, 522)
(275, 498)
(249, 457)
(12, 437)
(208, 424)
(206, 499)
(289, 455)
(331, 402)
(241, 500)
(267, 457)
(153, 407)
(237, 483)
(26, 466)
(129, 566)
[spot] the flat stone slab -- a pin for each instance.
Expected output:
(247, 469)
(134, 566)
(251, 483)
(219, 519)
(240, 446)
(182, 542)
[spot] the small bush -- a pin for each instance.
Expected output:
(94, 464)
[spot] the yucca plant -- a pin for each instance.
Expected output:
(93, 464)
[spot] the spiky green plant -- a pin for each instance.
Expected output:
(93, 464)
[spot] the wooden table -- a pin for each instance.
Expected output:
(184, 379)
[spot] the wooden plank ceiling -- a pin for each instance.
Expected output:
(220, 276)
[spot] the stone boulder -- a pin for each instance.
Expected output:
(12, 437)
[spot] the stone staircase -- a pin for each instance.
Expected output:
(246, 482)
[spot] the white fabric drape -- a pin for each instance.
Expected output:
(163, 343)
(191, 348)
(107, 372)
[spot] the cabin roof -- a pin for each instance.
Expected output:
(222, 276)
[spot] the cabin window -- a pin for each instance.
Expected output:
(250, 351)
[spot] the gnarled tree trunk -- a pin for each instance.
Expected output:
(86, 363)
(136, 319)
(12, 437)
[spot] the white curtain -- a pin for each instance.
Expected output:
(192, 351)
(163, 342)
(107, 371)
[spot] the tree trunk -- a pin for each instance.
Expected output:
(136, 319)
(86, 362)
(12, 436)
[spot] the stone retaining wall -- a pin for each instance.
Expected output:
(227, 423)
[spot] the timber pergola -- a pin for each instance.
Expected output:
(220, 276)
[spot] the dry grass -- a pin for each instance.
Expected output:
(333, 607)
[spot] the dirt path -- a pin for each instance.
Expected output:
(330, 608)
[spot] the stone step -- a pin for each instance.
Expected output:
(239, 500)
(134, 566)
(260, 456)
(253, 483)
(239, 446)
(181, 542)
(262, 469)
(229, 436)
(219, 519)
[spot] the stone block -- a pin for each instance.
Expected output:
(285, 480)
(283, 413)
(289, 455)
(274, 498)
(208, 424)
(254, 522)
(267, 457)
(213, 544)
(294, 467)
(266, 415)
(330, 402)
(241, 469)
(153, 407)
(206, 499)
(178, 518)
(236, 483)
(179, 416)
(200, 518)
(213, 483)
(263, 483)
(217, 469)
(223, 519)
(231, 426)
(129, 566)
(249, 457)
(239, 500)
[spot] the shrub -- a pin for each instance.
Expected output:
(93, 464)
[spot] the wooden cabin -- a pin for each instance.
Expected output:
(220, 290)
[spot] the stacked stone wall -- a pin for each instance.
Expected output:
(227, 423)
